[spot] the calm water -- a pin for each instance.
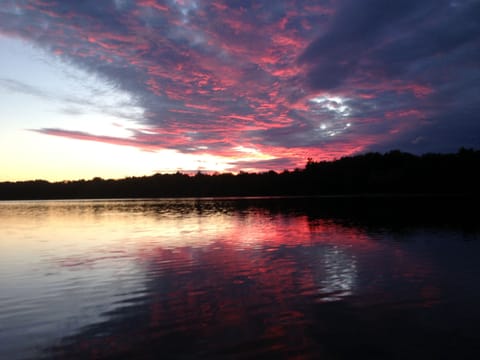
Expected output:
(239, 278)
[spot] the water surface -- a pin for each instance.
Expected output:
(238, 278)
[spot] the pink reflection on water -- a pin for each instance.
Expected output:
(232, 276)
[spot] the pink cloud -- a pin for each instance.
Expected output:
(232, 74)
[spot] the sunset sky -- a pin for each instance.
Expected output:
(117, 88)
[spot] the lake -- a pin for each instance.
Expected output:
(299, 278)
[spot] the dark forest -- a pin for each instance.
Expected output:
(394, 172)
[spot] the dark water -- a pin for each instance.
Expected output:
(240, 278)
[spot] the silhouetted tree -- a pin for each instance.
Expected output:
(394, 172)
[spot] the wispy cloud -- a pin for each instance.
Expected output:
(292, 79)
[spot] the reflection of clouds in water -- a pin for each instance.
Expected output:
(336, 273)
(96, 261)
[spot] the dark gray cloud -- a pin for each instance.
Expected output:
(287, 78)
(427, 48)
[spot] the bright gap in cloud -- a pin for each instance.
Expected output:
(69, 98)
(334, 112)
(335, 104)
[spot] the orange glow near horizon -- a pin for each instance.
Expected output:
(215, 88)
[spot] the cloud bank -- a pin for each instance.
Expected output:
(268, 84)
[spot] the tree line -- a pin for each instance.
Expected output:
(394, 172)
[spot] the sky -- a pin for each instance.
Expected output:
(116, 88)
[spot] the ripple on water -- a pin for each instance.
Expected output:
(221, 279)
